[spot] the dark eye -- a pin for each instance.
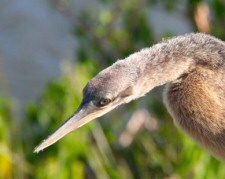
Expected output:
(104, 101)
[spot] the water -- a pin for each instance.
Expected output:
(35, 39)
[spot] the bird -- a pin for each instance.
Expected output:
(192, 67)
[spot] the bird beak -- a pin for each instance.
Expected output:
(84, 114)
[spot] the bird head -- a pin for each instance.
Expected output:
(111, 87)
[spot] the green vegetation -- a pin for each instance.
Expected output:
(95, 150)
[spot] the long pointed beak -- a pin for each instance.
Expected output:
(83, 115)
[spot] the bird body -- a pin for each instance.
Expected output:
(192, 66)
(196, 102)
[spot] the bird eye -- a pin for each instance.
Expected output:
(104, 101)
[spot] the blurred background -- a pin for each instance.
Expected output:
(48, 52)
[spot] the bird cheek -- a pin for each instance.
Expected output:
(126, 93)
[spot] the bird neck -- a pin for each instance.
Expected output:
(168, 60)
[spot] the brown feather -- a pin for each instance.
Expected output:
(197, 103)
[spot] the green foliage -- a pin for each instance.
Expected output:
(95, 150)
(6, 163)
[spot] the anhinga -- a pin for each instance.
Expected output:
(192, 66)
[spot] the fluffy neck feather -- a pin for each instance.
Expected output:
(168, 60)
